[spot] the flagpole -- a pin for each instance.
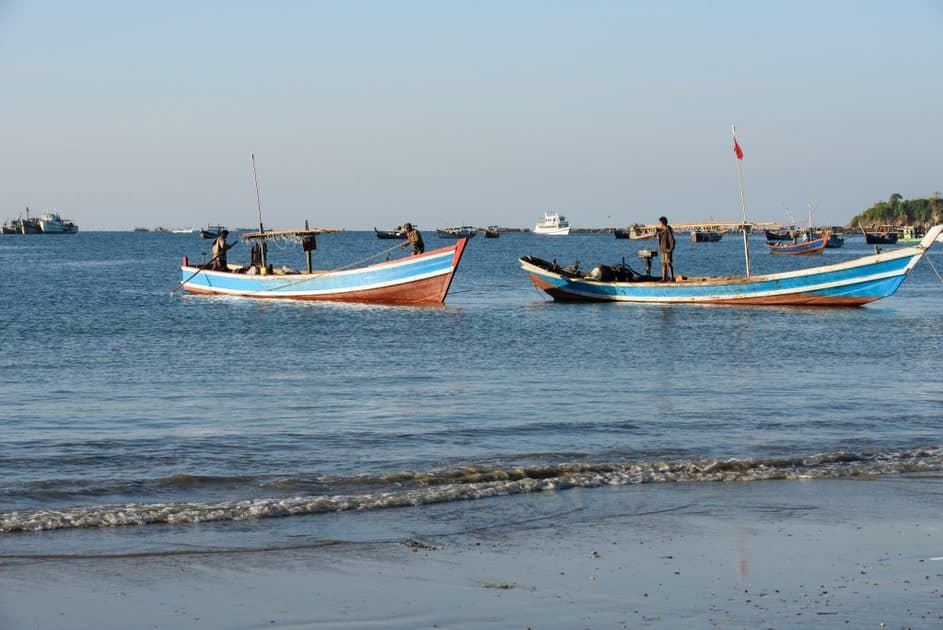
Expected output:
(743, 208)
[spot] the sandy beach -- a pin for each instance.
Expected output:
(853, 553)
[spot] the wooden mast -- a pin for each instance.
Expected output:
(258, 202)
(739, 155)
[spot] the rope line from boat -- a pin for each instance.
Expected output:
(933, 267)
(203, 266)
(487, 287)
(308, 277)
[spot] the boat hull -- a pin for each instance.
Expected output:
(850, 283)
(706, 237)
(390, 234)
(564, 231)
(456, 234)
(414, 280)
(881, 239)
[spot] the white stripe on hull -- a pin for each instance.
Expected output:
(572, 289)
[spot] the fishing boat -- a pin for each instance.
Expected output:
(705, 236)
(883, 237)
(781, 235)
(491, 231)
(639, 232)
(422, 279)
(211, 231)
(552, 225)
(46, 223)
(21, 225)
(459, 231)
(835, 241)
(798, 247)
(398, 233)
(52, 223)
(849, 283)
(910, 234)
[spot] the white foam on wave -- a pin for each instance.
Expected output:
(416, 489)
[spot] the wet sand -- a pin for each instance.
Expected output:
(779, 554)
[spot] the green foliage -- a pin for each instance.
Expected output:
(899, 211)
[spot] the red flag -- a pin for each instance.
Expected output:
(736, 149)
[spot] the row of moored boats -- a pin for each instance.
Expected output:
(553, 224)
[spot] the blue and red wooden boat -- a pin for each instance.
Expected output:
(806, 246)
(849, 283)
(423, 279)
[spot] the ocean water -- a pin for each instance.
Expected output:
(136, 419)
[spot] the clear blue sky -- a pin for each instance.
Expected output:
(367, 114)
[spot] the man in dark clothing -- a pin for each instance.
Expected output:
(414, 238)
(666, 247)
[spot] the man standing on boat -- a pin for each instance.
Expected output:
(666, 247)
(414, 238)
(220, 247)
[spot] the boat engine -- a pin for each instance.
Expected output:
(646, 255)
(602, 273)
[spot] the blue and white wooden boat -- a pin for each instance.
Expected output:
(805, 246)
(422, 279)
(849, 283)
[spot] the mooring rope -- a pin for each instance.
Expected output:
(336, 269)
(490, 286)
(307, 276)
(933, 267)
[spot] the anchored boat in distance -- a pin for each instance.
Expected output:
(46, 223)
(553, 224)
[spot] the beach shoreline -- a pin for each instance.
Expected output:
(777, 554)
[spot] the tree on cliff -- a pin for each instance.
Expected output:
(899, 211)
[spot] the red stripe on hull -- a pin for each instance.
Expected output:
(798, 299)
(791, 299)
(427, 292)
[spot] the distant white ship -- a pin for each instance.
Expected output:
(188, 230)
(52, 223)
(552, 225)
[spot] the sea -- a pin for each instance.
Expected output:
(135, 418)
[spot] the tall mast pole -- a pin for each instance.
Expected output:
(743, 208)
(258, 203)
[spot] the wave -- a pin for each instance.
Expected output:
(440, 486)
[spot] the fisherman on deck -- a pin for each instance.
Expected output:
(218, 263)
(666, 247)
(414, 238)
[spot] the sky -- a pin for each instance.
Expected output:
(362, 114)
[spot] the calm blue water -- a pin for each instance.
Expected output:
(126, 405)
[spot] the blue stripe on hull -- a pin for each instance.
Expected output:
(854, 283)
(874, 290)
(409, 270)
